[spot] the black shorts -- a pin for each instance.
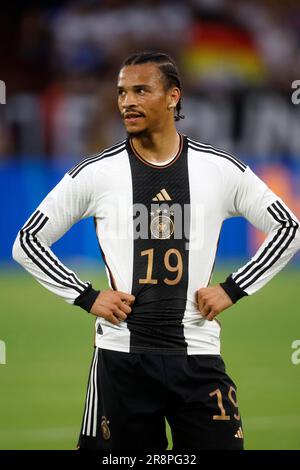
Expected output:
(129, 396)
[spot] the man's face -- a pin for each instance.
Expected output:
(142, 99)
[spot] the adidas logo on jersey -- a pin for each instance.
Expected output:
(239, 433)
(162, 196)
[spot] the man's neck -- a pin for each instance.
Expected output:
(157, 147)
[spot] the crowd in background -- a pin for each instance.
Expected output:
(237, 60)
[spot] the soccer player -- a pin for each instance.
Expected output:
(158, 200)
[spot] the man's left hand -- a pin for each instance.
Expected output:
(212, 301)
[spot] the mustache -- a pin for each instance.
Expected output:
(132, 113)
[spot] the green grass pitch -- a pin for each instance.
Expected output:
(49, 346)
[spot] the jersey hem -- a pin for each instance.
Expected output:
(167, 352)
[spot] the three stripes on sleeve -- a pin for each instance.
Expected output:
(43, 258)
(274, 249)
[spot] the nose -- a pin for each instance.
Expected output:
(128, 100)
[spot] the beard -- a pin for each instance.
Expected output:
(140, 134)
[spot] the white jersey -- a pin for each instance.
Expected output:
(158, 229)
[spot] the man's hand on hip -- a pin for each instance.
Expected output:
(212, 301)
(112, 305)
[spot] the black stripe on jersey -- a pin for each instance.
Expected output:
(95, 158)
(69, 274)
(50, 257)
(220, 153)
(34, 216)
(28, 241)
(280, 242)
(266, 252)
(95, 155)
(155, 323)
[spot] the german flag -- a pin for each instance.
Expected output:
(219, 53)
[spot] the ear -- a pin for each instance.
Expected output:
(173, 98)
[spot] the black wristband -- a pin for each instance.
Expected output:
(233, 289)
(87, 298)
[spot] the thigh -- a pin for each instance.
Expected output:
(123, 407)
(207, 415)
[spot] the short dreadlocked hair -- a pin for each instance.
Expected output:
(167, 67)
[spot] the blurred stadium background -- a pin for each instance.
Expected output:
(59, 61)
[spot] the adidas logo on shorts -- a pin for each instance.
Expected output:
(239, 433)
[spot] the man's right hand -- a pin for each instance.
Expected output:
(112, 305)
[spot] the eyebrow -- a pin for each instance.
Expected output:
(135, 87)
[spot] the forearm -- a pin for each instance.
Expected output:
(281, 244)
(35, 255)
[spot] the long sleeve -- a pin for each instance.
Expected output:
(252, 199)
(67, 203)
